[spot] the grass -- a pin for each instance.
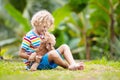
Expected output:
(94, 70)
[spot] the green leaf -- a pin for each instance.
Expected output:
(77, 5)
(18, 17)
(60, 39)
(73, 43)
(76, 18)
(61, 13)
(7, 41)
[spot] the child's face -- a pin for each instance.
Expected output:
(42, 29)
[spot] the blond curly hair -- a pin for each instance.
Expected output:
(42, 18)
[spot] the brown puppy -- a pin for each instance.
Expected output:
(46, 45)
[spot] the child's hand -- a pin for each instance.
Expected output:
(32, 57)
(38, 58)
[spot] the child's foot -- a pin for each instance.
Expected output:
(34, 66)
(33, 69)
(80, 66)
(77, 66)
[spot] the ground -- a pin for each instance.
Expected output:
(94, 70)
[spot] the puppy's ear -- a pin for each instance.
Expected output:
(48, 46)
(52, 48)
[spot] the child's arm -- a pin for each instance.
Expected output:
(23, 54)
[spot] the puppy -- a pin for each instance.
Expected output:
(46, 45)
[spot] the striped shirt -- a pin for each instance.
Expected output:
(30, 41)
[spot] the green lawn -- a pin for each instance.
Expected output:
(94, 70)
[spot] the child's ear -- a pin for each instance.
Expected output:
(36, 23)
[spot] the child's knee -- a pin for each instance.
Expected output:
(64, 46)
(53, 54)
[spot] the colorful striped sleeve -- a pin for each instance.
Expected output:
(26, 43)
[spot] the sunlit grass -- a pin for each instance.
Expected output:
(94, 70)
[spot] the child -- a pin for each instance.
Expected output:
(41, 22)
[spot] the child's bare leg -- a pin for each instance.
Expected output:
(54, 56)
(34, 66)
(36, 63)
(65, 50)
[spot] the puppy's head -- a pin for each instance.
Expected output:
(50, 43)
